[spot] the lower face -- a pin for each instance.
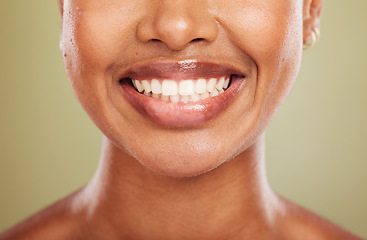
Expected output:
(180, 106)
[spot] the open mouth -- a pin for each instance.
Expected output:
(181, 94)
(182, 91)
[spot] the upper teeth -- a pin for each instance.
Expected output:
(183, 90)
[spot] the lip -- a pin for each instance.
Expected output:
(179, 114)
(186, 69)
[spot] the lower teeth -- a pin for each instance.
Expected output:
(184, 98)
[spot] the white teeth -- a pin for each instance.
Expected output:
(156, 86)
(175, 98)
(146, 86)
(165, 98)
(148, 94)
(157, 96)
(183, 91)
(169, 87)
(195, 97)
(226, 83)
(187, 87)
(138, 86)
(204, 95)
(214, 93)
(185, 98)
(210, 86)
(133, 82)
(200, 85)
(220, 84)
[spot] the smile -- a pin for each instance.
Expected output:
(181, 94)
(183, 91)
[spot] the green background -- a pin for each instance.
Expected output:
(316, 146)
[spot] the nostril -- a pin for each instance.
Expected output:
(197, 40)
(155, 40)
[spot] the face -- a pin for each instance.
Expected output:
(182, 52)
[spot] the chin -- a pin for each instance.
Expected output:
(180, 163)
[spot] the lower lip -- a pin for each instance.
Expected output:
(178, 114)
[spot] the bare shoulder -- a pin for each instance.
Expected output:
(300, 223)
(57, 221)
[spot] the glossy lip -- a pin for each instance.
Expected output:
(179, 114)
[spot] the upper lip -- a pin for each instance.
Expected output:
(183, 69)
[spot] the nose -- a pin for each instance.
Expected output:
(177, 23)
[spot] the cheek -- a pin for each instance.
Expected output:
(90, 40)
(99, 34)
(95, 38)
(270, 32)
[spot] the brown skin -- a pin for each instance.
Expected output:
(204, 182)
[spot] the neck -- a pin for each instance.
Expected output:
(133, 202)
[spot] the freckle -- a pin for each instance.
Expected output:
(137, 54)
